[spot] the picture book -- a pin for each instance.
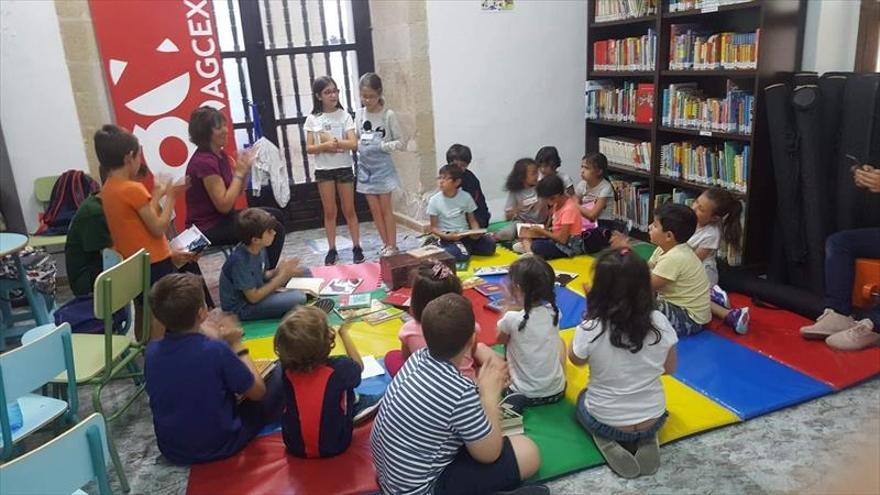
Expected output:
(371, 367)
(491, 270)
(563, 278)
(471, 282)
(425, 251)
(496, 305)
(384, 315)
(350, 314)
(511, 421)
(309, 285)
(191, 240)
(470, 232)
(397, 298)
(264, 366)
(490, 290)
(341, 286)
(527, 230)
(354, 301)
(462, 266)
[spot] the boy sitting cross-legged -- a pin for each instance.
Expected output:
(194, 380)
(439, 432)
(246, 287)
(452, 212)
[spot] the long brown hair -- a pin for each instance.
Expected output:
(729, 209)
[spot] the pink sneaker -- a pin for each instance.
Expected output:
(860, 336)
(829, 323)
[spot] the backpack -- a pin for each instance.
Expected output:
(69, 191)
(80, 313)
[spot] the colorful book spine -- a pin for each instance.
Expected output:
(632, 202)
(607, 100)
(626, 152)
(685, 106)
(615, 10)
(693, 49)
(627, 54)
(725, 165)
(704, 5)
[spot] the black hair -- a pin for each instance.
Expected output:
(729, 209)
(599, 161)
(678, 219)
(550, 186)
(621, 299)
(318, 86)
(548, 155)
(451, 171)
(113, 144)
(202, 122)
(537, 281)
(458, 152)
(373, 81)
(430, 281)
(448, 324)
(517, 175)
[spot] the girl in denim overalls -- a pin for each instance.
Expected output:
(379, 134)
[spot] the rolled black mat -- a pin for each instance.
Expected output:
(831, 84)
(804, 78)
(794, 299)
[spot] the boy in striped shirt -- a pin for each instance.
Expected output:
(439, 432)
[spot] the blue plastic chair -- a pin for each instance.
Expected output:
(62, 465)
(28, 368)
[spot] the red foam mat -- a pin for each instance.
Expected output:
(776, 334)
(487, 319)
(263, 467)
(369, 272)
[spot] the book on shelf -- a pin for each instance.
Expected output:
(613, 101)
(626, 152)
(616, 10)
(632, 202)
(635, 53)
(684, 106)
(704, 5)
(715, 164)
(644, 110)
(679, 196)
(351, 301)
(693, 48)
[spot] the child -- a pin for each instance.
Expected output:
(628, 345)
(564, 238)
(535, 352)
(460, 156)
(718, 214)
(246, 287)
(594, 192)
(330, 137)
(380, 134)
(452, 211)
(549, 162)
(523, 203)
(193, 380)
(430, 281)
(320, 405)
(439, 432)
(677, 274)
(87, 237)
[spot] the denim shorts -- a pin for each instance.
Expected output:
(341, 175)
(596, 427)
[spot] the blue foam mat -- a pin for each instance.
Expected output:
(739, 378)
(571, 304)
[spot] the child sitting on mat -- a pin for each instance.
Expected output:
(460, 156)
(430, 281)
(194, 380)
(320, 405)
(677, 274)
(439, 432)
(549, 162)
(535, 352)
(564, 238)
(523, 204)
(246, 287)
(628, 345)
(452, 212)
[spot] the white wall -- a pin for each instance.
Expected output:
(507, 83)
(830, 35)
(38, 114)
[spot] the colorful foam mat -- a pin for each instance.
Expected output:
(369, 272)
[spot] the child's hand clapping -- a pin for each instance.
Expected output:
(494, 377)
(618, 240)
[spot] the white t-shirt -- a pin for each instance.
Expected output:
(533, 353)
(384, 122)
(531, 208)
(336, 124)
(589, 195)
(452, 212)
(708, 237)
(624, 388)
(566, 180)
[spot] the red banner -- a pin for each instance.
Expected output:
(161, 60)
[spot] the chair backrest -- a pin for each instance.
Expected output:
(118, 286)
(110, 258)
(43, 188)
(63, 464)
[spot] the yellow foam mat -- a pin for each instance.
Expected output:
(582, 265)
(690, 412)
(369, 339)
(502, 257)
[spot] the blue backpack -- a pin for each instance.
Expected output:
(80, 313)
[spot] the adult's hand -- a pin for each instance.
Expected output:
(867, 177)
(244, 161)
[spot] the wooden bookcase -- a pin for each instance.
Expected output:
(781, 23)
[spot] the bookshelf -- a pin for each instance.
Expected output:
(778, 51)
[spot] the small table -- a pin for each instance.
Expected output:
(12, 244)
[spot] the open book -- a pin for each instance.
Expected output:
(469, 232)
(526, 230)
(309, 285)
(191, 240)
(341, 286)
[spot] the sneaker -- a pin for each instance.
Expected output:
(392, 250)
(829, 323)
(718, 296)
(527, 490)
(357, 255)
(365, 407)
(618, 458)
(738, 320)
(648, 455)
(331, 257)
(325, 305)
(858, 337)
(519, 248)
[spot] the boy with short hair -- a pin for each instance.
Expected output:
(452, 211)
(246, 287)
(460, 156)
(677, 274)
(439, 432)
(193, 380)
(564, 237)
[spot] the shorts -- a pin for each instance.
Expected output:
(467, 475)
(339, 175)
(679, 318)
(596, 427)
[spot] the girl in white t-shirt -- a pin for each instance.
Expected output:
(595, 194)
(718, 216)
(330, 139)
(535, 352)
(523, 204)
(628, 345)
(549, 162)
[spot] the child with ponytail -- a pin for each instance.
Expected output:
(718, 217)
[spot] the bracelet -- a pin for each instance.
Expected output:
(243, 352)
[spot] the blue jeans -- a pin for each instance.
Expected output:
(275, 305)
(550, 249)
(594, 426)
(484, 246)
(841, 251)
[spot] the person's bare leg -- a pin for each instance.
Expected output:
(388, 218)
(327, 190)
(346, 197)
(374, 202)
(719, 311)
(528, 458)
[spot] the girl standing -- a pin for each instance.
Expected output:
(331, 137)
(380, 134)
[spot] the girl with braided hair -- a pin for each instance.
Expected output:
(530, 332)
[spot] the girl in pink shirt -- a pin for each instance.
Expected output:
(564, 238)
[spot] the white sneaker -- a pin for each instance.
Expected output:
(519, 248)
(829, 323)
(860, 336)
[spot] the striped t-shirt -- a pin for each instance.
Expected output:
(428, 412)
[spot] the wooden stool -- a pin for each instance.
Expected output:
(866, 287)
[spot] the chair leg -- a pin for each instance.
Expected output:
(111, 443)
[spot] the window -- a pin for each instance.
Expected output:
(273, 49)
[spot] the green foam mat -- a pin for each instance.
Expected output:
(644, 249)
(565, 447)
(496, 226)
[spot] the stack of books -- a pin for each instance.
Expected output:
(685, 106)
(693, 49)
(705, 5)
(626, 152)
(677, 195)
(724, 165)
(615, 10)
(627, 54)
(632, 202)
(623, 102)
